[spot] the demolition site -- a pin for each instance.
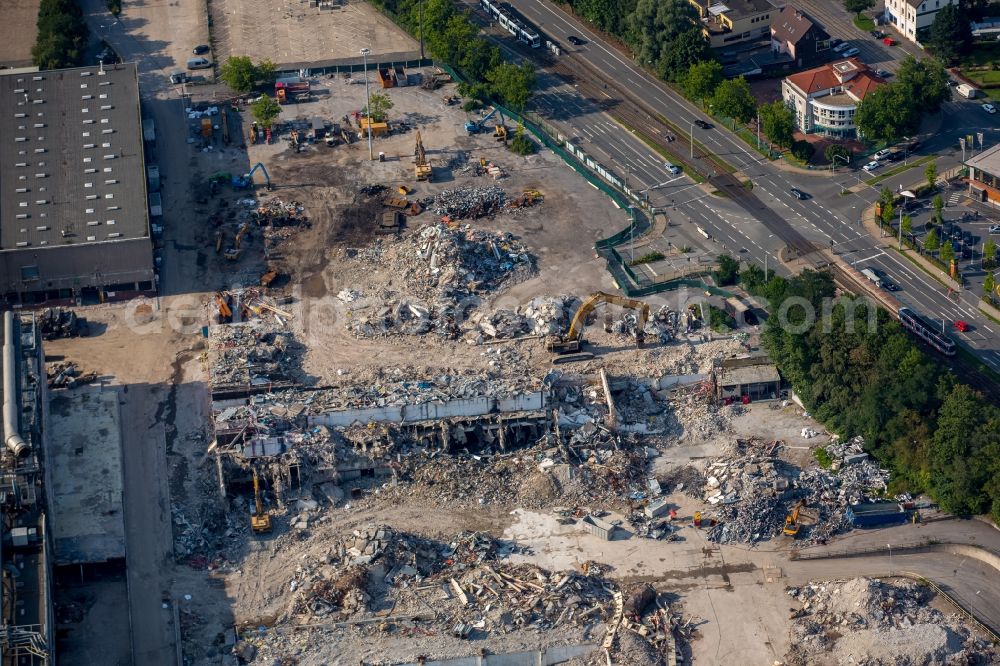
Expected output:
(402, 415)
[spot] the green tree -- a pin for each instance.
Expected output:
(888, 210)
(906, 225)
(932, 243)
(655, 24)
(687, 48)
(858, 6)
(938, 204)
(733, 98)
(838, 152)
(947, 252)
(930, 173)
(885, 196)
(925, 80)
(989, 285)
(778, 123)
(380, 105)
(61, 37)
(239, 73)
(265, 110)
(512, 83)
(728, 271)
(886, 113)
(950, 35)
(702, 79)
(266, 71)
(521, 144)
(989, 253)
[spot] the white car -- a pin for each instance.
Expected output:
(672, 168)
(871, 166)
(994, 229)
(841, 46)
(989, 108)
(881, 155)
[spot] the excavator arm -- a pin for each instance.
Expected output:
(572, 341)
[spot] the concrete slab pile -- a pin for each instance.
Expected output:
(876, 622)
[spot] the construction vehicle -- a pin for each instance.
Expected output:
(293, 89)
(260, 520)
(500, 130)
(246, 181)
(476, 126)
(234, 253)
(254, 133)
(792, 520)
(404, 190)
(206, 128)
(267, 278)
(218, 241)
(295, 140)
(422, 168)
(572, 342)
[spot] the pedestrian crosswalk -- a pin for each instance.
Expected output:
(955, 197)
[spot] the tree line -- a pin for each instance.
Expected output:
(936, 434)
(450, 36)
(62, 35)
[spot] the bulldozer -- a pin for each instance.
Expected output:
(572, 342)
(792, 520)
(421, 167)
(260, 520)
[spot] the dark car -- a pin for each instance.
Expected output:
(877, 34)
(914, 145)
(702, 124)
(836, 41)
(894, 156)
(966, 252)
(956, 234)
(799, 194)
(967, 237)
(200, 49)
(574, 40)
(956, 246)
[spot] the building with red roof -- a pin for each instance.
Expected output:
(825, 98)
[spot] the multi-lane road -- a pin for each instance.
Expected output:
(587, 104)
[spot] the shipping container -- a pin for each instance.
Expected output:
(876, 514)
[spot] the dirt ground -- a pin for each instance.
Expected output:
(294, 32)
(20, 18)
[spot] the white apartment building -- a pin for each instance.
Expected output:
(912, 16)
(824, 99)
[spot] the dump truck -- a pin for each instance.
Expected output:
(292, 89)
(877, 514)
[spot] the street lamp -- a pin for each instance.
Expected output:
(889, 546)
(840, 157)
(368, 104)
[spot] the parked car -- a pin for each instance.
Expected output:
(966, 252)
(178, 76)
(894, 156)
(201, 49)
(839, 48)
(199, 63)
(967, 237)
(574, 40)
(883, 73)
(871, 166)
(799, 194)
(989, 108)
(994, 229)
(914, 145)
(877, 34)
(702, 124)
(888, 41)
(835, 42)
(850, 53)
(881, 155)
(956, 246)
(952, 83)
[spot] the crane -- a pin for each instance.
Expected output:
(422, 168)
(792, 520)
(573, 340)
(260, 520)
(246, 180)
(473, 126)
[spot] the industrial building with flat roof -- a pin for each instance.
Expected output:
(74, 222)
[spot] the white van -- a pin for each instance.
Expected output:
(199, 63)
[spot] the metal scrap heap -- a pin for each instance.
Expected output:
(470, 203)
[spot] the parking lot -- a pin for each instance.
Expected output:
(295, 32)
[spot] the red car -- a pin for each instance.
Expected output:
(961, 325)
(889, 41)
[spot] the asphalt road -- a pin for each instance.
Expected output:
(827, 218)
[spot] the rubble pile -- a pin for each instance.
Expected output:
(275, 212)
(252, 353)
(58, 323)
(465, 203)
(754, 491)
(440, 272)
(543, 315)
(868, 621)
(67, 374)
(662, 325)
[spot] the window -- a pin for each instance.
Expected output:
(29, 272)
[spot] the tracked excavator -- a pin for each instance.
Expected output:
(572, 342)
(792, 520)
(421, 167)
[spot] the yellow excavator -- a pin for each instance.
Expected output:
(421, 167)
(572, 342)
(234, 253)
(260, 520)
(792, 520)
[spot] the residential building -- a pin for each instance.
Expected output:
(911, 17)
(825, 98)
(734, 21)
(797, 35)
(74, 222)
(984, 176)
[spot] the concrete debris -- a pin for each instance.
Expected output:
(58, 323)
(753, 491)
(866, 621)
(444, 271)
(67, 374)
(252, 354)
(465, 203)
